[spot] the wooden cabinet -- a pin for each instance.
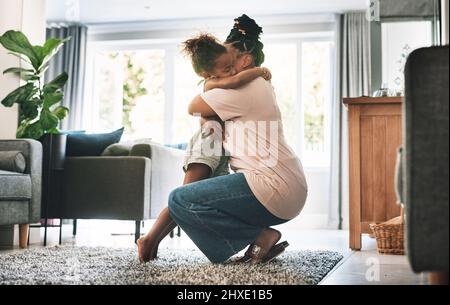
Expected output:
(375, 133)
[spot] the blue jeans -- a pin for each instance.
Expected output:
(221, 215)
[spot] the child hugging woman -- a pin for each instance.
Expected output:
(213, 62)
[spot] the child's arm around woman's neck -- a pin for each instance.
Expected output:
(237, 80)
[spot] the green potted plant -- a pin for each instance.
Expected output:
(40, 111)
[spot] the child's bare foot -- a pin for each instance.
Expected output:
(147, 251)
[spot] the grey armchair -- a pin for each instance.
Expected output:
(134, 187)
(20, 193)
(424, 183)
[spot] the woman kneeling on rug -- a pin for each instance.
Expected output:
(224, 214)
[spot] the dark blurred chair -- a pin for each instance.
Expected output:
(424, 185)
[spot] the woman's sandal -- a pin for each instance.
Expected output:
(274, 252)
(253, 254)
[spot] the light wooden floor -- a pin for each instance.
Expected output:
(365, 267)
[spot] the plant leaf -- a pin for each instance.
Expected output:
(56, 83)
(34, 130)
(51, 44)
(39, 51)
(42, 70)
(50, 48)
(29, 77)
(27, 130)
(29, 110)
(25, 74)
(48, 120)
(21, 130)
(19, 95)
(54, 131)
(18, 70)
(17, 42)
(61, 112)
(52, 98)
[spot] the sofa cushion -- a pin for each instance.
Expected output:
(13, 161)
(15, 186)
(79, 145)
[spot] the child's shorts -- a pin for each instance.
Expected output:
(199, 150)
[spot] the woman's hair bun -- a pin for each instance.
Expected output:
(244, 36)
(245, 28)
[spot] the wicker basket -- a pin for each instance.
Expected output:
(390, 235)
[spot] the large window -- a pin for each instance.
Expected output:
(147, 89)
(129, 91)
(186, 86)
(301, 70)
(315, 100)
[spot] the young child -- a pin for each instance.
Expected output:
(210, 60)
(214, 63)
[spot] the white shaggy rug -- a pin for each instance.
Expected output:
(67, 265)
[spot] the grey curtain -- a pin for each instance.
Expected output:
(71, 59)
(353, 80)
(355, 55)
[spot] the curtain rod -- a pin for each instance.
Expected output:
(63, 24)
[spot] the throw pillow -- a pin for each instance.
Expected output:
(117, 150)
(13, 161)
(91, 144)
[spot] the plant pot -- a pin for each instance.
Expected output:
(54, 153)
(54, 150)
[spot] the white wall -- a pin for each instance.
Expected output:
(315, 213)
(10, 18)
(397, 40)
(445, 25)
(27, 16)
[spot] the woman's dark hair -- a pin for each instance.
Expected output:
(203, 51)
(244, 36)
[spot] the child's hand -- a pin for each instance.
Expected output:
(266, 73)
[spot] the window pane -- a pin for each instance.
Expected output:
(186, 87)
(315, 97)
(281, 59)
(144, 94)
(108, 91)
(129, 92)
